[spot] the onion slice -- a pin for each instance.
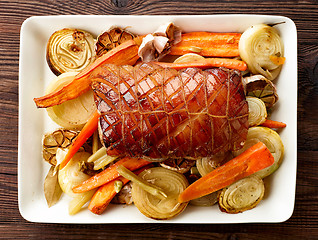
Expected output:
(70, 50)
(256, 46)
(72, 114)
(257, 112)
(171, 182)
(208, 164)
(242, 195)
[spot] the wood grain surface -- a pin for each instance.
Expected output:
(304, 222)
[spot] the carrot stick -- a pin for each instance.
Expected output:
(88, 129)
(252, 160)
(273, 124)
(125, 53)
(106, 193)
(209, 62)
(208, 44)
(109, 174)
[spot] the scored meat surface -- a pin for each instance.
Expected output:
(155, 112)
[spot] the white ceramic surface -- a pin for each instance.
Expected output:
(34, 76)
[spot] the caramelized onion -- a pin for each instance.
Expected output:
(171, 182)
(242, 195)
(72, 114)
(256, 46)
(208, 164)
(70, 50)
(70, 176)
(257, 113)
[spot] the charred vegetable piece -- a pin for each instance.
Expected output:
(242, 195)
(272, 141)
(179, 165)
(262, 88)
(171, 182)
(111, 39)
(60, 138)
(72, 114)
(70, 50)
(257, 113)
(258, 47)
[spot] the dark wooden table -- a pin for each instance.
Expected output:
(304, 222)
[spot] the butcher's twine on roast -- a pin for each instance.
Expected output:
(154, 112)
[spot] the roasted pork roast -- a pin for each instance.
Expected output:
(158, 113)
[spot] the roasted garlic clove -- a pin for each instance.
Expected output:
(111, 39)
(60, 138)
(262, 88)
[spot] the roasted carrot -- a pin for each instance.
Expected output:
(125, 53)
(88, 130)
(208, 44)
(209, 62)
(273, 124)
(109, 174)
(252, 160)
(106, 193)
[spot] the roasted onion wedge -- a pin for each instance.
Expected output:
(70, 50)
(257, 112)
(70, 176)
(207, 200)
(242, 195)
(72, 114)
(272, 141)
(208, 164)
(171, 182)
(258, 45)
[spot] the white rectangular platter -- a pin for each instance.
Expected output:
(34, 76)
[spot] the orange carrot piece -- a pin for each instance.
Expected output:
(209, 62)
(105, 193)
(208, 44)
(273, 124)
(109, 174)
(252, 160)
(125, 53)
(87, 131)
